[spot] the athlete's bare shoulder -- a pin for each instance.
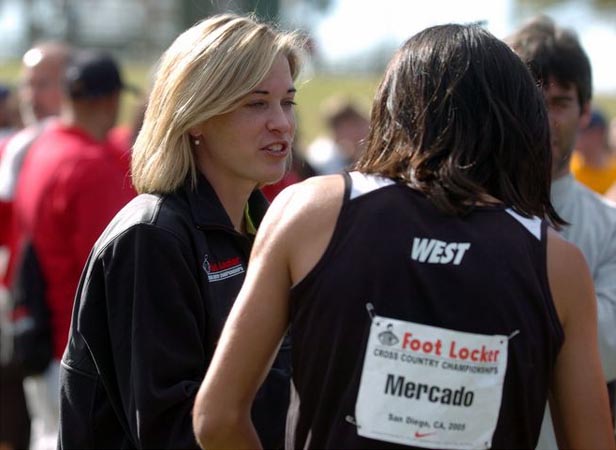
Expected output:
(301, 221)
(564, 258)
(313, 194)
(569, 277)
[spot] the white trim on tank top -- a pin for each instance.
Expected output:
(532, 224)
(364, 183)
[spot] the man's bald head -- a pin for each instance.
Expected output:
(42, 77)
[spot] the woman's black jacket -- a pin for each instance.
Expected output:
(149, 309)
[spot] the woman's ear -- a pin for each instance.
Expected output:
(585, 114)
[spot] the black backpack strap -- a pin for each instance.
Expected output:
(29, 315)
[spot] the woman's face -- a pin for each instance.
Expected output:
(250, 145)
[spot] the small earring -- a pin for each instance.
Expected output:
(197, 141)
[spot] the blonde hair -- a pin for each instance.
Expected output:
(205, 72)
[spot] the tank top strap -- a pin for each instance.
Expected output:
(358, 184)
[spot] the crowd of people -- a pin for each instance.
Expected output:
(62, 182)
(437, 273)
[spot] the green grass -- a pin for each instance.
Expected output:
(607, 104)
(312, 91)
(134, 74)
(9, 71)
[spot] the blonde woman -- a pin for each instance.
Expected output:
(161, 279)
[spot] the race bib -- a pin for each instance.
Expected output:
(430, 387)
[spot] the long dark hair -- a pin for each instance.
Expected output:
(458, 115)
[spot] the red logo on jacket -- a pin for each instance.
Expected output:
(221, 270)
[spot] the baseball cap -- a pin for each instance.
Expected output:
(92, 73)
(597, 119)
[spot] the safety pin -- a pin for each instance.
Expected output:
(351, 420)
(514, 334)
(370, 309)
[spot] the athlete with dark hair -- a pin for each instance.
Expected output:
(430, 303)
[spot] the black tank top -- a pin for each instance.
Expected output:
(390, 249)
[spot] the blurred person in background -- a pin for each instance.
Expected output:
(38, 100)
(561, 66)
(68, 189)
(347, 126)
(160, 281)
(612, 134)
(39, 96)
(10, 121)
(14, 417)
(611, 192)
(440, 241)
(594, 163)
(122, 137)
(40, 90)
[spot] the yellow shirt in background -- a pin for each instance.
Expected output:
(597, 179)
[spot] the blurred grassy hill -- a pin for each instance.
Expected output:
(312, 91)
